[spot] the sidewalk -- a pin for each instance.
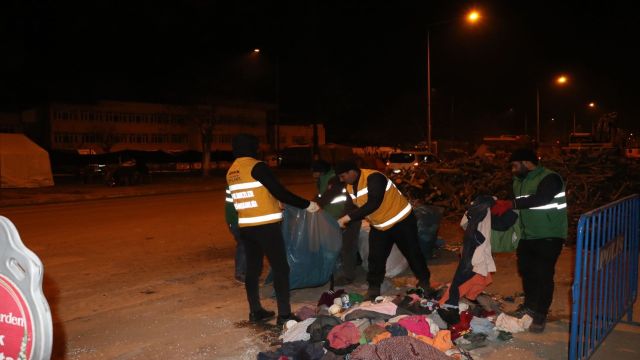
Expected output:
(68, 189)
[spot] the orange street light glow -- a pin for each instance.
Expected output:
(592, 104)
(561, 80)
(256, 50)
(473, 16)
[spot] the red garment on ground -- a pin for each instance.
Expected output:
(343, 335)
(417, 324)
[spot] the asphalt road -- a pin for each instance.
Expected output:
(151, 277)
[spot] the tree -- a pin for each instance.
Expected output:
(202, 118)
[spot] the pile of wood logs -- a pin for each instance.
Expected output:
(592, 180)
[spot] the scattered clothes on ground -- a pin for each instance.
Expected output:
(385, 307)
(511, 324)
(482, 325)
(437, 320)
(419, 325)
(372, 331)
(472, 341)
(361, 324)
(295, 350)
(305, 312)
(399, 347)
(372, 315)
(396, 330)
(442, 340)
(343, 335)
(355, 298)
(326, 298)
(470, 288)
(298, 332)
(320, 328)
(382, 336)
(488, 303)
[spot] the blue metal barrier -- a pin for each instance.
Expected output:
(606, 275)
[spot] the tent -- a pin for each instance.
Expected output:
(23, 163)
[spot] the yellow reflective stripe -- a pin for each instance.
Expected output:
(242, 186)
(394, 219)
(522, 196)
(389, 183)
(362, 192)
(228, 191)
(560, 195)
(229, 200)
(258, 219)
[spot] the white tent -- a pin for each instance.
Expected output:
(23, 163)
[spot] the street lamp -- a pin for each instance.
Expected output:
(277, 94)
(561, 80)
(472, 18)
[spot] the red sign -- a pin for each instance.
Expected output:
(16, 323)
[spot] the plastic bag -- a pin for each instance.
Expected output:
(428, 218)
(396, 262)
(312, 242)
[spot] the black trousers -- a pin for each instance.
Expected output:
(349, 250)
(536, 264)
(266, 240)
(405, 235)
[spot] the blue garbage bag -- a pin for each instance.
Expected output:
(428, 218)
(312, 242)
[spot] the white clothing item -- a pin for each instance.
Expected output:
(482, 261)
(511, 324)
(298, 331)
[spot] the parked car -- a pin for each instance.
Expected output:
(405, 160)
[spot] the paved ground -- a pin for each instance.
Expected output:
(621, 344)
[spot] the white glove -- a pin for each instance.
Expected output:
(343, 221)
(313, 207)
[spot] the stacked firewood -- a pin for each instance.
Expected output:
(592, 180)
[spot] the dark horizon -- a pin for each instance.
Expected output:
(359, 68)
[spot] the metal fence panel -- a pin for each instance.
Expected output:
(606, 273)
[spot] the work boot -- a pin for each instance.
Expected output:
(282, 319)
(450, 315)
(521, 311)
(538, 324)
(427, 291)
(372, 293)
(261, 315)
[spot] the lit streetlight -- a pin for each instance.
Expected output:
(472, 18)
(561, 80)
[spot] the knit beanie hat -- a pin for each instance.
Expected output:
(244, 145)
(344, 166)
(524, 154)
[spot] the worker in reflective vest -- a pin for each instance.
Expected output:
(256, 194)
(541, 202)
(392, 222)
(332, 198)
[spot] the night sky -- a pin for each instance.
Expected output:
(357, 66)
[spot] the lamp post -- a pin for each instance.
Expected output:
(561, 80)
(472, 17)
(277, 100)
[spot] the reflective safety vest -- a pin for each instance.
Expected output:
(394, 207)
(253, 202)
(545, 221)
(335, 206)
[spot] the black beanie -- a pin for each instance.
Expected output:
(244, 145)
(344, 166)
(524, 154)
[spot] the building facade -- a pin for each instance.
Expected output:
(108, 126)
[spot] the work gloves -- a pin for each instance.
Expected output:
(313, 207)
(501, 207)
